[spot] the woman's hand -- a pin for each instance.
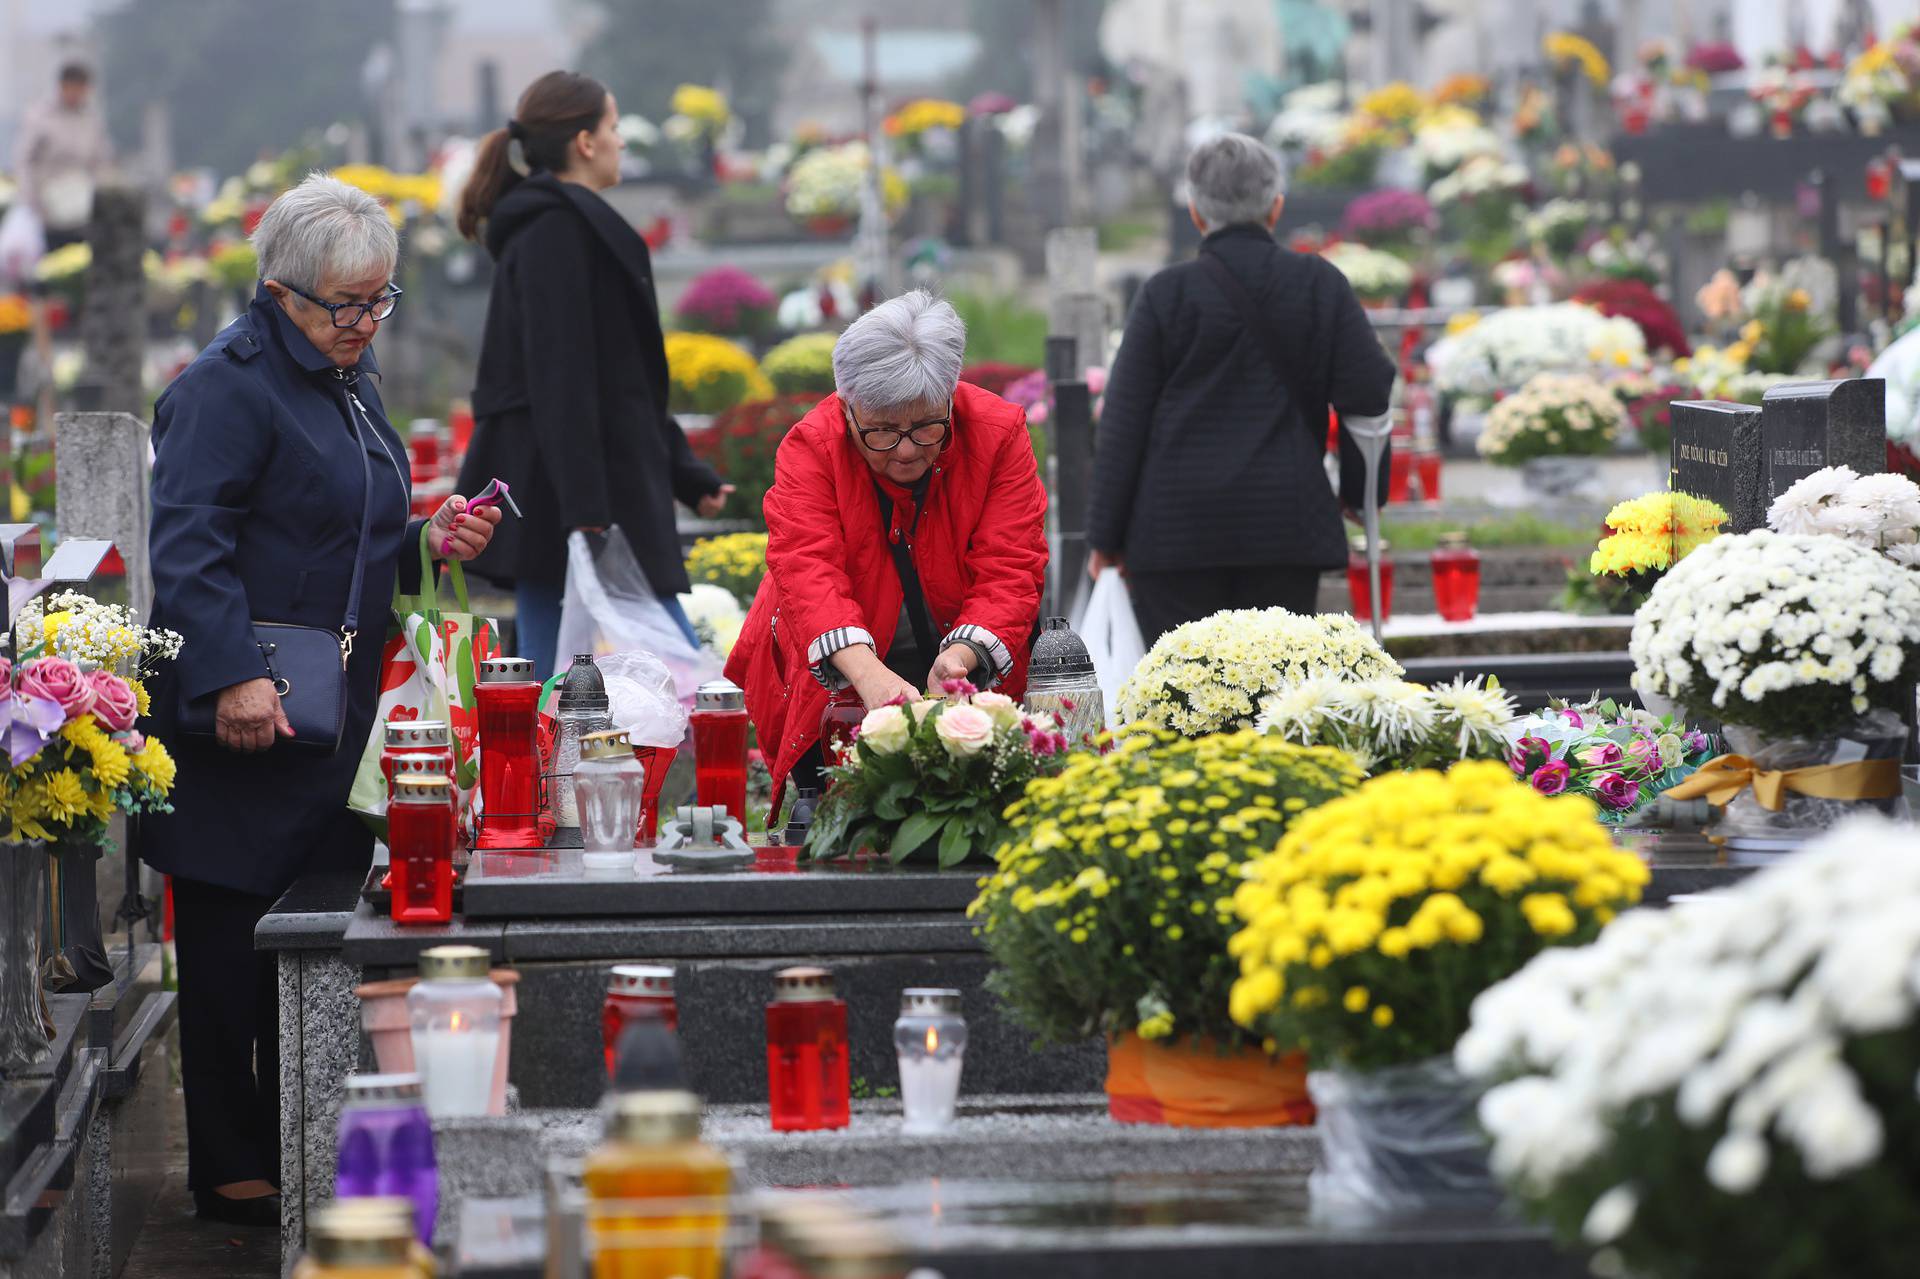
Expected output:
(458, 533)
(870, 678)
(248, 718)
(957, 662)
(714, 503)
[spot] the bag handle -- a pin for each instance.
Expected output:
(430, 582)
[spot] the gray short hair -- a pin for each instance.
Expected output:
(322, 230)
(906, 351)
(1233, 179)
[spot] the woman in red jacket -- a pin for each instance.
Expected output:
(906, 538)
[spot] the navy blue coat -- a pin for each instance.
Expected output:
(257, 497)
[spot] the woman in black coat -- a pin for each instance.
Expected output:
(571, 400)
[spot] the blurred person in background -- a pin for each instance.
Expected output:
(60, 156)
(570, 403)
(1209, 486)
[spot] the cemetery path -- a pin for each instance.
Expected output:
(175, 1243)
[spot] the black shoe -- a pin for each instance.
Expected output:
(263, 1212)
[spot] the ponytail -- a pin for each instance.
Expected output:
(551, 113)
(492, 177)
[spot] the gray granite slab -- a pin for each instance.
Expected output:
(1718, 455)
(374, 941)
(553, 884)
(757, 935)
(1675, 881)
(320, 1045)
(311, 915)
(1806, 426)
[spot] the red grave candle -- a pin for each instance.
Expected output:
(808, 1086)
(508, 701)
(420, 832)
(1456, 578)
(720, 747)
(635, 991)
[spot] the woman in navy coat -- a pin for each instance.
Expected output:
(259, 485)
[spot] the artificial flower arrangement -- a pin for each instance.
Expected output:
(1111, 904)
(1390, 724)
(1512, 346)
(709, 374)
(1621, 759)
(1879, 512)
(1553, 415)
(934, 775)
(1376, 275)
(801, 365)
(1211, 676)
(1804, 646)
(1724, 1088)
(1370, 930)
(735, 562)
(726, 301)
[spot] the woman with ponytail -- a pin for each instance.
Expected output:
(571, 398)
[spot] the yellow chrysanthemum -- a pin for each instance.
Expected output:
(155, 764)
(110, 763)
(66, 796)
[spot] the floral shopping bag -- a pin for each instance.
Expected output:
(427, 671)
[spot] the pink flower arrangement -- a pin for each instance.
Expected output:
(1714, 57)
(1387, 216)
(1620, 759)
(727, 301)
(1552, 777)
(114, 703)
(56, 680)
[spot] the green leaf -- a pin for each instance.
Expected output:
(463, 669)
(954, 845)
(890, 807)
(915, 831)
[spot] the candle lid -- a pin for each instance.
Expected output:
(654, 1117)
(802, 985)
(377, 1208)
(352, 1237)
(423, 426)
(584, 690)
(418, 788)
(929, 999)
(719, 695)
(1453, 541)
(402, 734)
(611, 744)
(1358, 544)
(432, 763)
(394, 1089)
(844, 1250)
(469, 963)
(1060, 659)
(506, 670)
(641, 979)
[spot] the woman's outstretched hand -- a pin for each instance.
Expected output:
(458, 533)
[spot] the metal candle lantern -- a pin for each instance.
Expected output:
(1062, 682)
(931, 1039)
(583, 709)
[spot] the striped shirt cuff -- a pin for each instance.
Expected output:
(821, 650)
(987, 642)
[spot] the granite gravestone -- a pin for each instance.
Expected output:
(1717, 456)
(1806, 426)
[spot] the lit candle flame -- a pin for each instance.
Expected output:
(933, 1040)
(457, 1022)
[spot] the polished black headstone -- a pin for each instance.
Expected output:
(1717, 456)
(1807, 426)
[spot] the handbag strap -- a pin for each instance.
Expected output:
(1258, 323)
(917, 617)
(350, 624)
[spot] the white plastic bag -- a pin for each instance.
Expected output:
(1112, 636)
(23, 242)
(642, 701)
(610, 608)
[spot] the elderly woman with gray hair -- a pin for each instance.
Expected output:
(906, 538)
(281, 495)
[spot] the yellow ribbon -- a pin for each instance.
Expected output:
(1720, 780)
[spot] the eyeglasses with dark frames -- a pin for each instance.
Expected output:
(932, 433)
(348, 314)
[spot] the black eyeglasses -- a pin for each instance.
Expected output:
(932, 433)
(347, 314)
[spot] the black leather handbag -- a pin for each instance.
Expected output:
(307, 664)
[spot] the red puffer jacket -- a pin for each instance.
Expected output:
(980, 549)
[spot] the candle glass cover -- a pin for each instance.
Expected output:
(635, 991)
(386, 1146)
(455, 1016)
(808, 1085)
(1456, 578)
(420, 839)
(1062, 682)
(610, 794)
(343, 1243)
(656, 1194)
(720, 747)
(843, 715)
(581, 708)
(507, 699)
(1358, 594)
(931, 1040)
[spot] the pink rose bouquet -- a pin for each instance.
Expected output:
(1620, 758)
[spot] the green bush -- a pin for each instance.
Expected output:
(1002, 329)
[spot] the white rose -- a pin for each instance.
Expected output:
(964, 730)
(1004, 709)
(885, 730)
(923, 708)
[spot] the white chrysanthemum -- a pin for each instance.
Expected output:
(1296, 711)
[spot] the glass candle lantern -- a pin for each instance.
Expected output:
(656, 1194)
(390, 1213)
(635, 991)
(807, 1080)
(1359, 595)
(414, 737)
(581, 709)
(455, 1015)
(720, 747)
(508, 701)
(610, 793)
(844, 712)
(1061, 682)
(1399, 475)
(1456, 578)
(386, 1146)
(346, 1244)
(420, 837)
(930, 1038)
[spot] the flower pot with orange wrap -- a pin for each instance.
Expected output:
(1112, 906)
